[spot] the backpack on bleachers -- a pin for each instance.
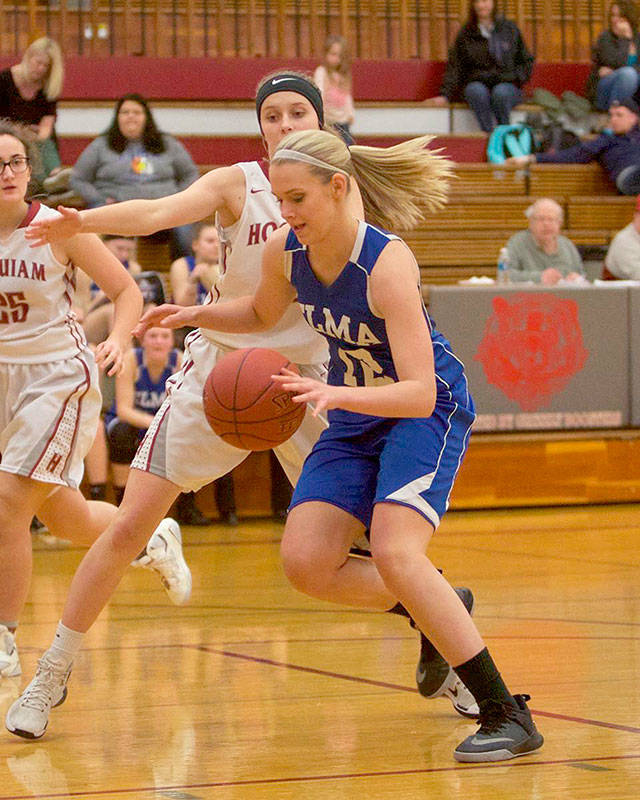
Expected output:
(549, 135)
(509, 140)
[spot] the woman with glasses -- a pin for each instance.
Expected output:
(50, 400)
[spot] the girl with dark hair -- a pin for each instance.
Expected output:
(615, 76)
(134, 160)
(151, 137)
(488, 65)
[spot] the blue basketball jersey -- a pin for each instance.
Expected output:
(149, 395)
(201, 291)
(360, 354)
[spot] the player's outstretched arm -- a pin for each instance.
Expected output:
(249, 314)
(217, 190)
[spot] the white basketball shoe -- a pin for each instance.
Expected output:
(9, 659)
(28, 716)
(163, 554)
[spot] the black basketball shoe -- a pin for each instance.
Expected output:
(505, 732)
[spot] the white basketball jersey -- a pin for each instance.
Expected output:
(242, 245)
(36, 293)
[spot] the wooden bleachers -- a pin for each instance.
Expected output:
(611, 213)
(569, 180)
(488, 179)
(487, 206)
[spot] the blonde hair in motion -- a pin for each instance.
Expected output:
(398, 184)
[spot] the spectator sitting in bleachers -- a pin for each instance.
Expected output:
(615, 73)
(489, 64)
(193, 276)
(124, 249)
(98, 321)
(541, 254)
(28, 94)
(623, 257)
(333, 78)
(133, 159)
(617, 150)
(140, 391)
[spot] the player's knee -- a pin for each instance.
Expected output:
(126, 537)
(302, 568)
(13, 512)
(297, 566)
(392, 561)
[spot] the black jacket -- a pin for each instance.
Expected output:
(502, 59)
(609, 51)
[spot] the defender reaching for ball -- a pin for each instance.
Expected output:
(400, 412)
(246, 212)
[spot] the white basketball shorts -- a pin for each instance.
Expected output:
(48, 418)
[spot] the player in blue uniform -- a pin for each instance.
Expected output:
(285, 102)
(399, 408)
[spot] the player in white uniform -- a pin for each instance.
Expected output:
(246, 212)
(50, 400)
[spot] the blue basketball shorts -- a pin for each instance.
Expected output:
(412, 462)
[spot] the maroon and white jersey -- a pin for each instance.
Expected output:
(242, 245)
(36, 294)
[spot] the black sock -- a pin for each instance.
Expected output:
(119, 493)
(97, 491)
(481, 677)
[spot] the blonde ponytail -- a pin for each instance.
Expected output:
(399, 184)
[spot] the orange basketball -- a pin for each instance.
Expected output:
(244, 406)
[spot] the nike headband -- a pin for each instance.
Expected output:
(285, 82)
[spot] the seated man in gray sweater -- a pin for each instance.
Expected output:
(541, 254)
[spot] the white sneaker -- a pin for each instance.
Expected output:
(163, 555)
(9, 659)
(29, 715)
(463, 701)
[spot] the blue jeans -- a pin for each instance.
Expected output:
(619, 85)
(489, 103)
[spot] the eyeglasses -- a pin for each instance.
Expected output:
(18, 164)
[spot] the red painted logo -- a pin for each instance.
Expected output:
(532, 347)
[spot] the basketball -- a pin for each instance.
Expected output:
(244, 406)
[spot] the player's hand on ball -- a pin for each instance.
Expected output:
(168, 315)
(307, 390)
(46, 231)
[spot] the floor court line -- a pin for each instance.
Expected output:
(394, 686)
(328, 777)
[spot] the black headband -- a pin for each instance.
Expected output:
(285, 82)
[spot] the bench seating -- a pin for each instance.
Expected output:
(612, 213)
(538, 180)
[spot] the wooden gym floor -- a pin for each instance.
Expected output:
(254, 691)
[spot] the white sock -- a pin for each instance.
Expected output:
(10, 626)
(66, 644)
